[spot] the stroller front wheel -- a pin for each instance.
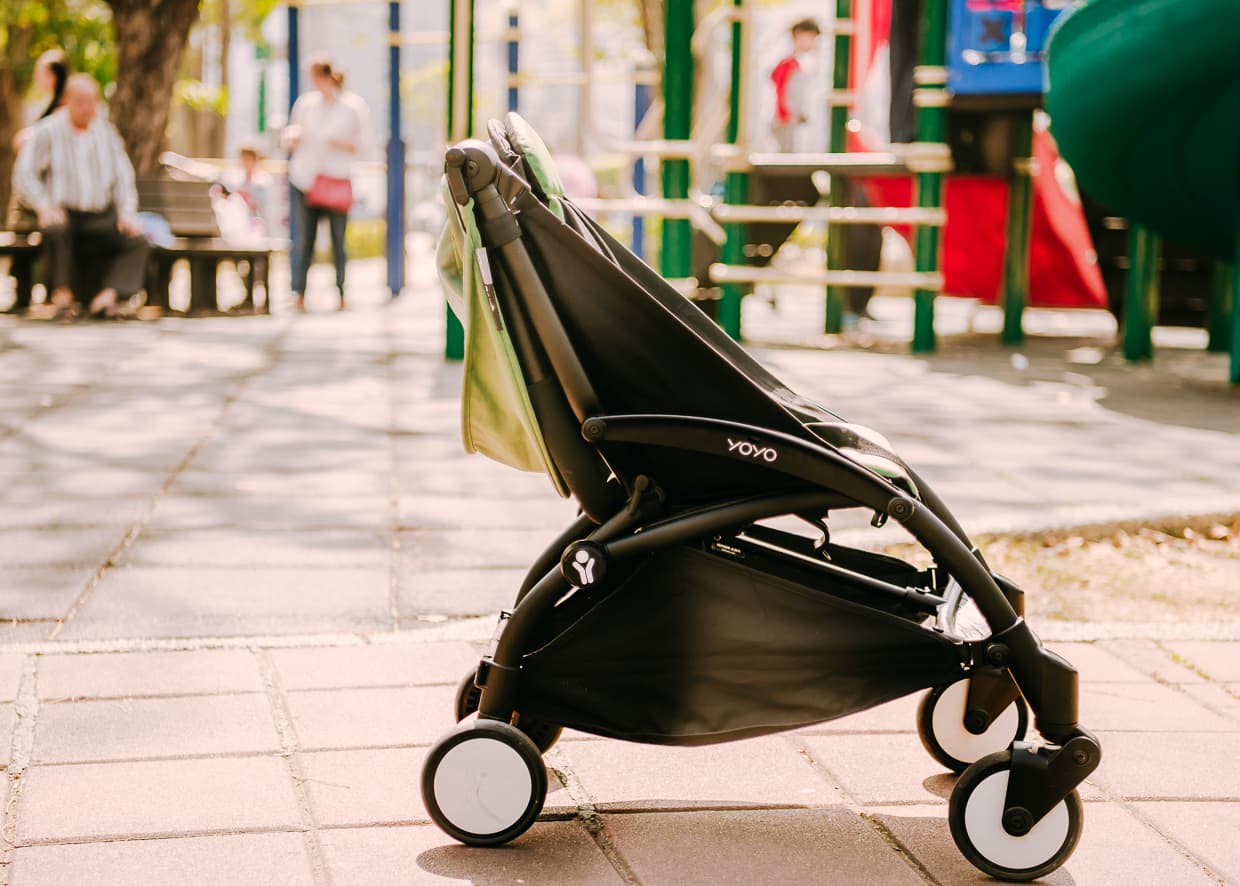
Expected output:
(941, 727)
(484, 783)
(975, 816)
(468, 695)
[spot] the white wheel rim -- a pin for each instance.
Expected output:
(483, 786)
(947, 721)
(983, 822)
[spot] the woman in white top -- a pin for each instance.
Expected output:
(324, 137)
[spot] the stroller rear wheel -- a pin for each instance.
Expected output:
(544, 735)
(941, 727)
(484, 783)
(975, 816)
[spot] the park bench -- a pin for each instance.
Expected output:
(186, 206)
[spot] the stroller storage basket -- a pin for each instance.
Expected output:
(694, 648)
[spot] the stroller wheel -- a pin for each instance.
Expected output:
(484, 783)
(544, 735)
(940, 725)
(975, 816)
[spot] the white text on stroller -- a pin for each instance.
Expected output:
(749, 450)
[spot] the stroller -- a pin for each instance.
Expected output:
(672, 611)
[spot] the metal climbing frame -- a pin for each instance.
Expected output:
(928, 160)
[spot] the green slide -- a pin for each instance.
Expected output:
(1144, 101)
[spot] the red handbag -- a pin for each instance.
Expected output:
(332, 194)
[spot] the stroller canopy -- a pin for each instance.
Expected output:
(645, 347)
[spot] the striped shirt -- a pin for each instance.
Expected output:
(85, 170)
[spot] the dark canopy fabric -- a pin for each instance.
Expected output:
(648, 350)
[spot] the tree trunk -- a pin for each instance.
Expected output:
(150, 37)
(11, 118)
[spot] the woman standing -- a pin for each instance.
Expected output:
(326, 134)
(51, 73)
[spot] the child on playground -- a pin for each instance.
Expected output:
(792, 85)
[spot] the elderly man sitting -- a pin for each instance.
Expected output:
(73, 171)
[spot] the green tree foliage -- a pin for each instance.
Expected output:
(28, 28)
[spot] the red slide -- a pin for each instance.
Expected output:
(1063, 269)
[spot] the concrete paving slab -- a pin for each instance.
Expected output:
(126, 674)
(434, 550)
(1207, 830)
(357, 718)
(58, 547)
(28, 592)
(1169, 765)
(421, 510)
(228, 548)
(393, 664)
(894, 716)
(380, 786)
(11, 666)
(1217, 661)
(271, 512)
(823, 846)
(1152, 659)
(1115, 848)
(455, 592)
(157, 601)
(286, 483)
(756, 772)
(907, 773)
(558, 852)
(1096, 664)
(225, 860)
(74, 512)
(156, 797)
(138, 728)
(1145, 707)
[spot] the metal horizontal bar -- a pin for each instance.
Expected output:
(840, 215)
(640, 205)
(721, 273)
(698, 215)
(673, 148)
(548, 78)
(842, 97)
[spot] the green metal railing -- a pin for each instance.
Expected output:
(838, 143)
(931, 99)
(1015, 293)
(676, 252)
(736, 189)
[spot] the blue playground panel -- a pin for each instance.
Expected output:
(994, 47)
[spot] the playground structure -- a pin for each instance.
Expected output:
(715, 248)
(1173, 173)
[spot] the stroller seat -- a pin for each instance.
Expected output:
(683, 606)
(516, 140)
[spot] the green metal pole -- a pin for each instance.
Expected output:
(1019, 222)
(676, 253)
(736, 190)
(1234, 373)
(931, 129)
(460, 124)
(838, 143)
(1219, 310)
(1141, 296)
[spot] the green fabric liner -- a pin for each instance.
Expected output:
(497, 418)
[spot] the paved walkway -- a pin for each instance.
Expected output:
(245, 563)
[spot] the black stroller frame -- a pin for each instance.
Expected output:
(631, 521)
